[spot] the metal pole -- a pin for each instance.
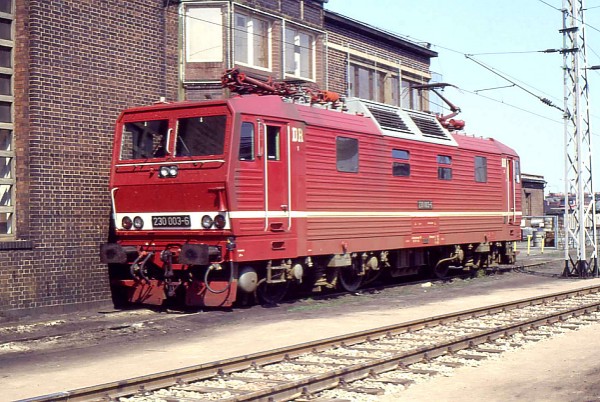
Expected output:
(580, 229)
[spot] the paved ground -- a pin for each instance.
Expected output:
(94, 347)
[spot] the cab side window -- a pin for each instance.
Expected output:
(346, 154)
(247, 142)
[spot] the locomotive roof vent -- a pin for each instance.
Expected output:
(388, 119)
(429, 125)
(397, 122)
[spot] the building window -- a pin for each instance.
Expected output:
(373, 84)
(412, 98)
(299, 53)
(247, 142)
(444, 172)
(480, 169)
(6, 6)
(7, 183)
(252, 41)
(346, 154)
(401, 169)
(7, 140)
(203, 34)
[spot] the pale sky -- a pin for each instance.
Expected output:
(514, 117)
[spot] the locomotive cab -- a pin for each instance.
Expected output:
(169, 204)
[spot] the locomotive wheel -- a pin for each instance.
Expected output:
(271, 293)
(350, 278)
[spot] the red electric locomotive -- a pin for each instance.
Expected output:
(220, 200)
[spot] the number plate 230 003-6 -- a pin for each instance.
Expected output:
(171, 221)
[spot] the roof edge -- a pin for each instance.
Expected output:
(370, 29)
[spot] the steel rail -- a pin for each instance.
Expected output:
(374, 367)
(319, 382)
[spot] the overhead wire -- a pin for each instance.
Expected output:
(516, 52)
(545, 101)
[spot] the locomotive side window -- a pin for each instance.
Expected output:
(444, 160)
(444, 173)
(347, 154)
(480, 169)
(247, 142)
(273, 152)
(401, 168)
(517, 172)
(144, 139)
(200, 136)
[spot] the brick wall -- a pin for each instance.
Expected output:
(337, 71)
(375, 46)
(369, 45)
(78, 63)
(307, 11)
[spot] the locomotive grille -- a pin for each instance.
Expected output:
(429, 127)
(388, 119)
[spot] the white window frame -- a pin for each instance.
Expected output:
(8, 179)
(252, 36)
(296, 72)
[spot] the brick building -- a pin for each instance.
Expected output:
(68, 67)
(533, 194)
(369, 63)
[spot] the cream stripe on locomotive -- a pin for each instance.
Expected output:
(193, 220)
(363, 214)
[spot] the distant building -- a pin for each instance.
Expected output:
(533, 194)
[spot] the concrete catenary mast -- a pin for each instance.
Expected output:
(581, 243)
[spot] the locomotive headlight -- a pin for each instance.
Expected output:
(164, 171)
(220, 221)
(138, 222)
(126, 222)
(167, 171)
(207, 222)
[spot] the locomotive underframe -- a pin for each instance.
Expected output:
(159, 274)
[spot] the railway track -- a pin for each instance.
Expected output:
(368, 363)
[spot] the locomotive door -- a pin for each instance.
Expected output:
(277, 178)
(511, 188)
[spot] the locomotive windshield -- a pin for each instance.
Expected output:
(200, 136)
(144, 139)
(196, 136)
